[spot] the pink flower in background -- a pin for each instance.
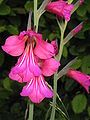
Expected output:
(81, 2)
(60, 8)
(37, 89)
(35, 62)
(80, 77)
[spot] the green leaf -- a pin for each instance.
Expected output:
(79, 103)
(7, 84)
(73, 50)
(88, 110)
(65, 52)
(2, 28)
(15, 108)
(81, 11)
(88, 5)
(1, 58)
(81, 48)
(86, 26)
(86, 64)
(29, 5)
(12, 29)
(1, 1)
(4, 9)
(19, 10)
(69, 85)
(51, 36)
(77, 64)
(4, 94)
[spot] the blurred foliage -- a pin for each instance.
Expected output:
(13, 19)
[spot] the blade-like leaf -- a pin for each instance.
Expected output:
(73, 33)
(65, 69)
(41, 9)
(29, 20)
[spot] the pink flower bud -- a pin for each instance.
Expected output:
(77, 29)
(80, 77)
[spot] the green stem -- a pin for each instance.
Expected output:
(31, 107)
(56, 74)
(61, 46)
(61, 42)
(54, 98)
(35, 15)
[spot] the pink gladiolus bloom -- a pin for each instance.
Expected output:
(35, 62)
(36, 56)
(60, 8)
(37, 89)
(80, 77)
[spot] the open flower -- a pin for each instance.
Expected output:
(60, 8)
(35, 61)
(80, 77)
(15, 44)
(37, 89)
(36, 56)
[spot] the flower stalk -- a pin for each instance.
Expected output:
(35, 16)
(31, 105)
(62, 29)
(31, 109)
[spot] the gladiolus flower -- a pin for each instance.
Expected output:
(80, 77)
(34, 57)
(35, 62)
(37, 89)
(60, 8)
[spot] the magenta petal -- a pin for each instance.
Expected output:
(67, 12)
(37, 90)
(55, 45)
(32, 91)
(44, 88)
(27, 89)
(80, 77)
(14, 46)
(33, 65)
(44, 49)
(49, 66)
(26, 68)
(15, 77)
(22, 75)
(61, 8)
(21, 69)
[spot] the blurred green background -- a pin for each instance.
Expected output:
(13, 19)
